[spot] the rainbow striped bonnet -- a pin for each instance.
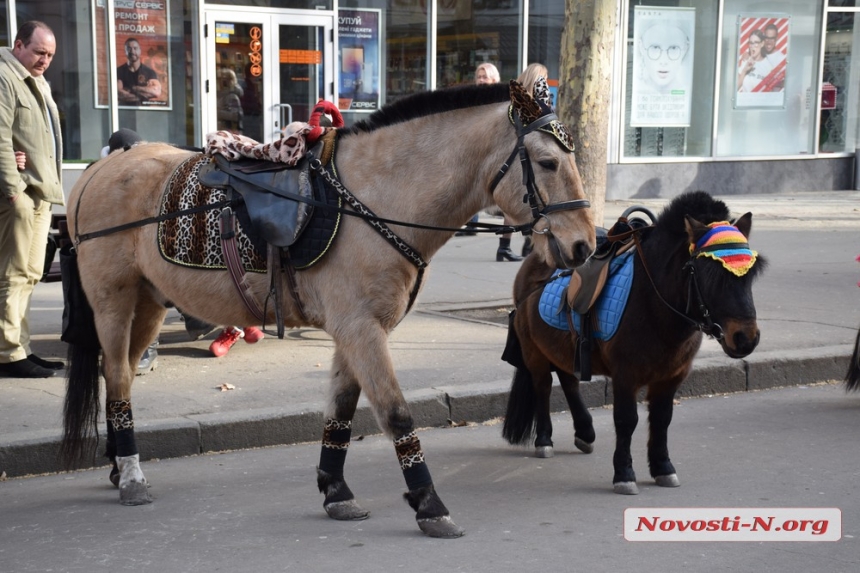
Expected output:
(724, 243)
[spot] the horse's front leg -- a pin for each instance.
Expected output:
(660, 406)
(583, 425)
(625, 417)
(543, 422)
(365, 356)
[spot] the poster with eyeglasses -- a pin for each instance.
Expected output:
(762, 60)
(662, 82)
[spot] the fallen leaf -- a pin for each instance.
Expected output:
(226, 386)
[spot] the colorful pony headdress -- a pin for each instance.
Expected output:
(530, 108)
(725, 243)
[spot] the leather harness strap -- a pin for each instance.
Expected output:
(227, 222)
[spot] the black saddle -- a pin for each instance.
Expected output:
(271, 209)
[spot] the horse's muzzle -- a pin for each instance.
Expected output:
(741, 338)
(579, 253)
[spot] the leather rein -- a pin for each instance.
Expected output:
(706, 325)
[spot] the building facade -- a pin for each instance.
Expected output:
(729, 96)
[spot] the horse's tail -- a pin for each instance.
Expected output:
(852, 378)
(81, 408)
(519, 427)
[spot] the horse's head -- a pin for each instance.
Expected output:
(553, 198)
(723, 269)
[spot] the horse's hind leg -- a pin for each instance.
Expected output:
(121, 344)
(583, 425)
(626, 418)
(660, 406)
(364, 358)
(339, 500)
(543, 422)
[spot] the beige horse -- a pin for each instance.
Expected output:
(432, 159)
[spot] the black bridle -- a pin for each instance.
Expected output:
(539, 208)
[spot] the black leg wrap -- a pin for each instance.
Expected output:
(120, 419)
(411, 458)
(335, 443)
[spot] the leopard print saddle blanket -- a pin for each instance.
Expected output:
(193, 240)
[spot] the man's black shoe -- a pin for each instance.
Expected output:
(49, 364)
(25, 369)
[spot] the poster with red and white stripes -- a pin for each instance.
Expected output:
(762, 61)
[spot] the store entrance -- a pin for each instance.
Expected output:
(265, 70)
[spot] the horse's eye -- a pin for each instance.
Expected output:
(549, 164)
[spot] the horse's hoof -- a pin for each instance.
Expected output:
(583, 446)
(348, 510)
(670, 480)
(543, 452)
(440, 527)
(626, 488)
(134, 493)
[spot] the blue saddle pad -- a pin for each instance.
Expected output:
(609, 307)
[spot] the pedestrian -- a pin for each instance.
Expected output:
(29, 125)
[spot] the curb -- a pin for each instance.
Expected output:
(36, 452)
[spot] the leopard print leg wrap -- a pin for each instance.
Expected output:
(335, 442)
(411, 458)
(121, 421)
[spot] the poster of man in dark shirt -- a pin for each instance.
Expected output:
(137, 83)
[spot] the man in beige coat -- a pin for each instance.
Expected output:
(29, 123)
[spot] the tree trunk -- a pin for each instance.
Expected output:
(585, 87)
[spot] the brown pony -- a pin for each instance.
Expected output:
(677, 292)
(433, 159)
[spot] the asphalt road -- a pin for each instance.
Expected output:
(258, 510)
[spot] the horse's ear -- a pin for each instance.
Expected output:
(523, 104)
(744, 224)
(695, 229)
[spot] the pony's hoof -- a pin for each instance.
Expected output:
(348, 510)
(626, 488)
(134, 493)
(583, 446)
(440, 527)
(670, 480)
(543, 452)
(114, 477)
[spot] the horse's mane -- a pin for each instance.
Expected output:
(423, 104)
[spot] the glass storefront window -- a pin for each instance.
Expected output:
(768, 96)
(5, 40)
(669, 100)
(840, 98)
(470, 33)
(546, 21)
(79, 74)
(296, 4)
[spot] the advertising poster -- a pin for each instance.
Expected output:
(358, 38)
(662, 82)
(762, 59)
(142, 53)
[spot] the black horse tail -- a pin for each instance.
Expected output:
(852, 378)
(519, 427)
(81, 408)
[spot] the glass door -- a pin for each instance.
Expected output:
(265, 70)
